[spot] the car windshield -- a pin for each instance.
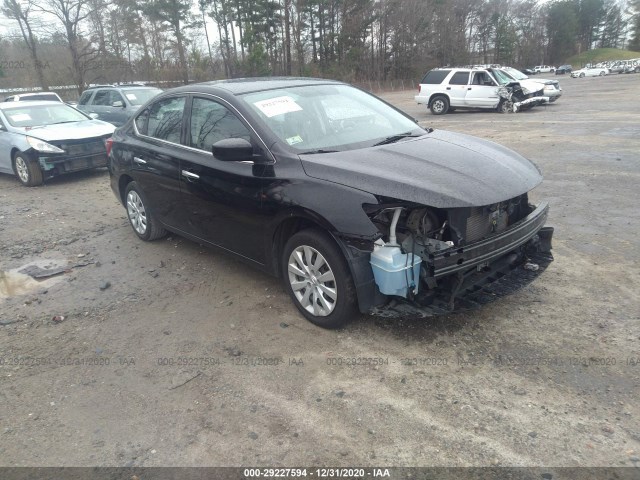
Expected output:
(318, 118)
(39, 115)
(138, 96)
(501, 77)
(517, 74)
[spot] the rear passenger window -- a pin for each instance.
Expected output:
(459, 78)
(163, 119)
(435, 76)
(84, 99)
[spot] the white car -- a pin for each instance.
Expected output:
(552, 88)
(543, 69)
(23, 97)
(590, 72)
(447, 89)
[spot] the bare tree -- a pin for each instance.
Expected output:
(20, 11)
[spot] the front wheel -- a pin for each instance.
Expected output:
(28, 172)
(141, 220)
(582, 75)
(318, 280)
(439, 105)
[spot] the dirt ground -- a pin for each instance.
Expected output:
(173, 354)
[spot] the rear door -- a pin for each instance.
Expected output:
(222, 199)
(154, 151)
(482, 91)
(457, 88)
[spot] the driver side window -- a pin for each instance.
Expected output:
(211, 122)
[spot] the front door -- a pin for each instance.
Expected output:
(482, 91)
(222, 199)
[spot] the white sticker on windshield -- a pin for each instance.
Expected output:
(131, 96)
(294, 140)
(20, 117)
(278, 106)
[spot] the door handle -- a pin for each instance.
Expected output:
(469, 88)
(448, 88)
(139, 160)
(190, 175)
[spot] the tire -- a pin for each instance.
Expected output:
(439, 105)
(601, 74)
(582, 75)
(318, 280)
(505, 106)
(145, 226)
(27, 171)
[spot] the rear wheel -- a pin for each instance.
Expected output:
(318, 279)
(439, 105)
(141, 220)
(601, 73)
(27, 171)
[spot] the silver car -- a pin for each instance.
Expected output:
(42, 139)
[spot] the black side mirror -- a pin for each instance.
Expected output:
(232, 150)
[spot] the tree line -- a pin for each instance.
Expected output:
(95, 41)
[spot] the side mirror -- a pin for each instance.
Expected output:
(117, 104)
(232, 150)
(94, 115)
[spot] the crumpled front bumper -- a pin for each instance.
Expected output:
(529, 102)
(482, 272)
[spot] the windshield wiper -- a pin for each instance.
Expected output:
(400, 136)
(319, 150)
(66, 121)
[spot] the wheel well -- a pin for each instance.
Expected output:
(14, 150)
(284, 232)
(122, 185)
(435, 95)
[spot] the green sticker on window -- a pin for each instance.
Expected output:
(294, 140)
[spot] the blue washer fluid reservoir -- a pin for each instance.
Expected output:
(393, 270)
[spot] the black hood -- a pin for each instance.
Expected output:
(441, 169)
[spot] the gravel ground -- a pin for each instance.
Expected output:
(173, 354)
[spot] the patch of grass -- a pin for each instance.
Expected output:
(601, 55)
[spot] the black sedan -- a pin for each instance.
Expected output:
(563, 69)
(344, 197)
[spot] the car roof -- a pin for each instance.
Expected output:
(124, 85)
(239, 86)
(28, 103)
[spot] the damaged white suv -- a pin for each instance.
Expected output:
(447, 89)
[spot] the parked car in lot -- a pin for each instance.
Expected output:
(562, 69)
(344, 197)
(25, 97)
(41, 139)
(544, 69)
(590, 72)
(447, 89)
(115, 104)
(552, 88)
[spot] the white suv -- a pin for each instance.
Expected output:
(544, 69)
(445, 89)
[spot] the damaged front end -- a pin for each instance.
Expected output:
(516, 98)
(434, 261)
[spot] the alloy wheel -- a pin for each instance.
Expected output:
(22, 170)
(137, 212)
(312, 281)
